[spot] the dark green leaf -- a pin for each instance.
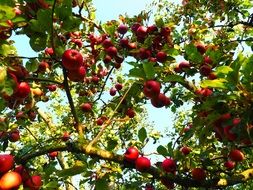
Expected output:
(142, 134)
(193, 54)
(162, 150)
(174, 78)
(32, 65)
(38, 42)
(111, 144)
(137, 72)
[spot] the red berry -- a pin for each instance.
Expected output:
(151, 88)
(229, 165)
(161, 56)
(142, 164)
(198, 174)
(169, 165)
(236, 155)
(131, 154)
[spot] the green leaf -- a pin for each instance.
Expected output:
(102, 184)
(193, 54)
(149, 70)
(38, 42)
(6, 49)
(174, 78)
(6, 13)
(52, 185)
(44, 19)
(32, 65)
(112, 144)
(162, 150)
(223, 69)
(216, 83)
(137, 72)
(64, 11)
(75, 170)
(142, 134)
(72, 23)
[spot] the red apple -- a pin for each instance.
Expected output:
(165, 31)
(77, 75)
(131, 154)
(6, 162)
(107, 43)
(113, 91)
(144, 53)
(118, 86)
(160, 101)
(198, 174)
(72, 59)
(142, 31)
(14, 135)
(10, 180)
(65, 137)
(184, 65)
(201, 48)
(49, 51)
(107, 59)
(53, 154)
(229, 164)
(169, 165)
(23, 90)
(112, 51)
(23, 172)
(34, 182)
(229, 134)
(142, 164)
(161, 56)
(43, 66)
(236, 155)
(208, 60)
(151, 88)
(205, 70)
(124, 42)
(86, 107)
(185, 150)
(130, 112)
(122, 29)
(100, 121)
(51, 87)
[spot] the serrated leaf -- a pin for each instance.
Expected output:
(142, 134)
(149, 70)
(162, 150)
(216, 83)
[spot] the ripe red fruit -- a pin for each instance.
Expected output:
(208, 60)
(10, 180)
(124, 42)
(160, 101)
(198, 174)
(65, 136)
(184, 65)
(52, 87)
(107, 43)
(151, 88)
(229, 164)
(201, 48)
(6, 162)
(113, 91)
(53, 154)
(142, 31)
(131, 154)
(144, 53)
(107, 59)
(165, 31)
(95, 79)
(236, 121)
(34, 182)
(122, 29)
(130, 112)
(112, 51)
(161, 56)
(135, 26)
(49, 51)
(86, 107)
(77, 75)
(72, 59)
(152, 28)
(169, 165)
(100, 121)
(23, 90)
(14, 136)
(212, 76)
(118, 86)
(236, 155)
(149, 187)
(185, 150)
(205, 70)
(142, 164)
(23, 172)
(43, 66)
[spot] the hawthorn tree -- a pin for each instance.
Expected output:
(74, 116)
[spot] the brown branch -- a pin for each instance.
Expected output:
(42, 80)
(77, 124)
(214, 182)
